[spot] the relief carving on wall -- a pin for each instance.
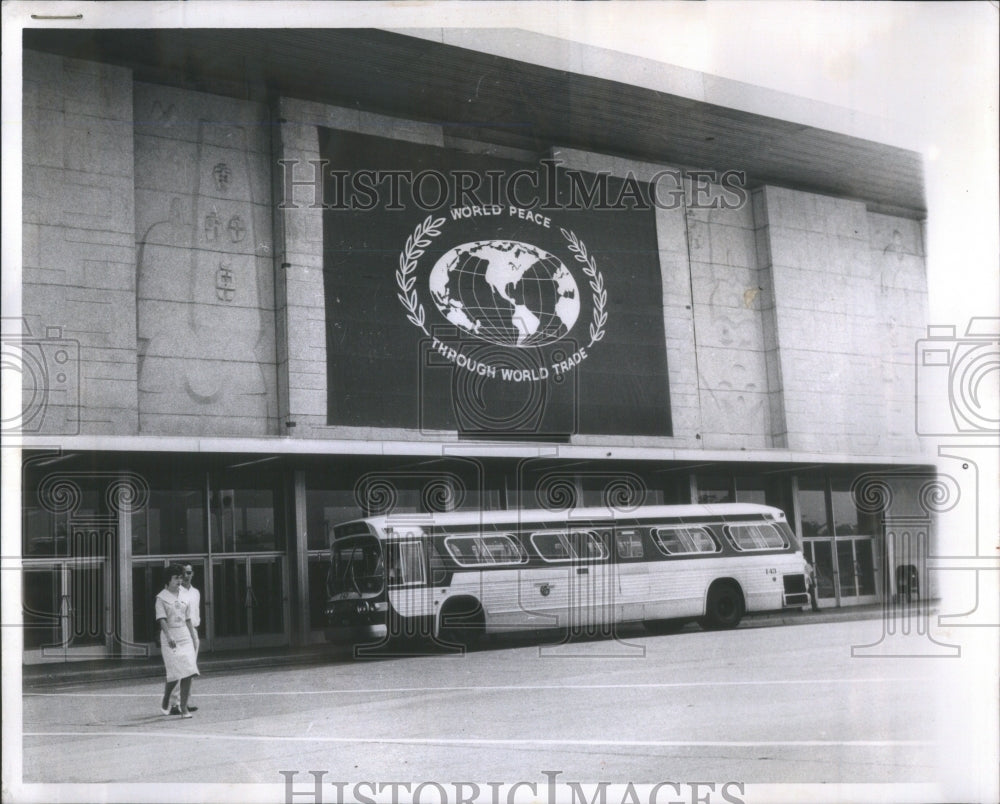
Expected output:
(212, 226)
(894, 263)
(237, 229)
(225, 283)
(201, 312)
(222, 176)
(733, 332)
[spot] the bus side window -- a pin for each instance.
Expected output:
(671, 541)
(628, 544)
(597, 544)
(550, 546)
(588, 544)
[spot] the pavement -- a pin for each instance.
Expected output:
(36, 676)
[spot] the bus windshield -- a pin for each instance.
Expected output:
(356, 567)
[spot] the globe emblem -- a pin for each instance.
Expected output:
(506, 292)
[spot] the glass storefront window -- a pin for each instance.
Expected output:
(324, 509)
(327, 507)
(845, 515)
(673, 489)
(45, 533)
(245, 520)
(751, 490)
(469, 500)
(714, 489)
(255, 529)
(812, 505)
(847, 519)
(619, 491)
(173, 521)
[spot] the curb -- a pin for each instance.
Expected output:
(796, 617)
(51, 675)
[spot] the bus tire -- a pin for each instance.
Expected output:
(463, 622)
(724, 607)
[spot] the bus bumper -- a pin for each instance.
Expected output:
(354, 634)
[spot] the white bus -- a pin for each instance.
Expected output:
(455, 577)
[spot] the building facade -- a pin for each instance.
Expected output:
(275, 280)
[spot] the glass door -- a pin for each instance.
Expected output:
(855, 560)
(249, 604)
(247, 599)
(67, 611)
(819, 553)
(853, 573)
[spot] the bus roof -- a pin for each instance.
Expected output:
(453, 518)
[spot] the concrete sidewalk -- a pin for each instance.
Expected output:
(84, 672)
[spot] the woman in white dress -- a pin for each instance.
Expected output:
(177, 639)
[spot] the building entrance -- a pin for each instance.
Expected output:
(67, 609)
(847, 575)
(249, 606)
(248, 603)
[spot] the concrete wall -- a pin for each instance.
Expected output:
(79, 248)
(790, 321)
(848, 307)
(731, 302)
(896, 251)
(205, 284)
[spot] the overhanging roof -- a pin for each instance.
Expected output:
(324, 449)
(485, 96)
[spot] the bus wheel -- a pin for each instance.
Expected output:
(463, 622)
(725, 606)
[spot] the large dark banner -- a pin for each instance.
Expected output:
(487, 296)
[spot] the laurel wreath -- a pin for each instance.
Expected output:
(413, 251)
(600, 317)
(430, 228)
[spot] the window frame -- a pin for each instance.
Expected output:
(635, 538)
(655, 533)
(729, 528)
(462, 561)
(592, 537)
(404, 551)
